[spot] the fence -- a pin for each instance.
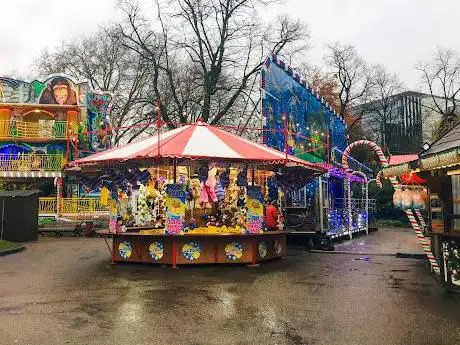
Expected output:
(71, 207)
(45, 129)
(31, 162)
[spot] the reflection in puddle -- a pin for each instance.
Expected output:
(270, 320)
(131, 312)
(226, 303)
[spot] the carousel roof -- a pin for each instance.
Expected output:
(195, 141)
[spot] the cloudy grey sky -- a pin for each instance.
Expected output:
(395, 33)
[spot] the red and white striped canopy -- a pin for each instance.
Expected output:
(195, 141)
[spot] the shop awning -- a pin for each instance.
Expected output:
(196, 141)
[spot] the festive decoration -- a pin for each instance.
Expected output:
(242, 179)
(125, 249)
(406, 199)
(203, 173)
(104, 196)
(278, 247)
(194, 192)
(384, 162)
(191, 251)
(262, 249)
(423, 241)
(397, 198)
(452, 258)
(156, 250)
(418, 200)
(175, 208)
(225, 178)
(412, 178)
(143, 216)
(208, 193)
(234, 251)
(255, 213)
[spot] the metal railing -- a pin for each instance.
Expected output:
(48, 206)
(31, 162)
(45, 129)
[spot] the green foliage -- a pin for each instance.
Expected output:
(386, 212)
(6, 245)
(45, 220)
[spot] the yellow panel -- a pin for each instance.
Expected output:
(5, 115)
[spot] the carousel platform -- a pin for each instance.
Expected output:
(192, 249)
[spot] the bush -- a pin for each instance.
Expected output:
(46, 220)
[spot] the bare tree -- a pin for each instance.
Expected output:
(207, 54)
(353, 78)
(108, 66)
(381, 110)
(441, 79)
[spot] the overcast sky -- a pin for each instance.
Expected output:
(395, 33)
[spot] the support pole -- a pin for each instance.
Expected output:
(158, 126)
(254, 252)
(113, 249)
(366, 205)
(175, 170)
(58, 196)
(321, 203)
(174, 253)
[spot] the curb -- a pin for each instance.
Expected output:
(398, 255)
(17, 249)
(349, 253)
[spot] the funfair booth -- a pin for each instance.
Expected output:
(194, 195)
(430, 197)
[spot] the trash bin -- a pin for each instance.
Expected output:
(19, 215)
(89, 228)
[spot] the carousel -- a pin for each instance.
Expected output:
(196, 194)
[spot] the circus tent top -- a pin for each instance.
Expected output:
(195, 141)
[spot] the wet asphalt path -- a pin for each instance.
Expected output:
(64, 291)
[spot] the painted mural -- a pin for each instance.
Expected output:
(295, 117)
(59, 90)
(99, 129)
(80, 127)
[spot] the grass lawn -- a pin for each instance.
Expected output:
(6, 245)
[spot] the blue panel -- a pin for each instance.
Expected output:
(306, 116)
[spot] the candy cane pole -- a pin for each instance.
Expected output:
(420, 218)
(384, 162)
(422, 223)
(423, 241)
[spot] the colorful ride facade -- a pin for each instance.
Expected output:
(297, 120)
(45, 124)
